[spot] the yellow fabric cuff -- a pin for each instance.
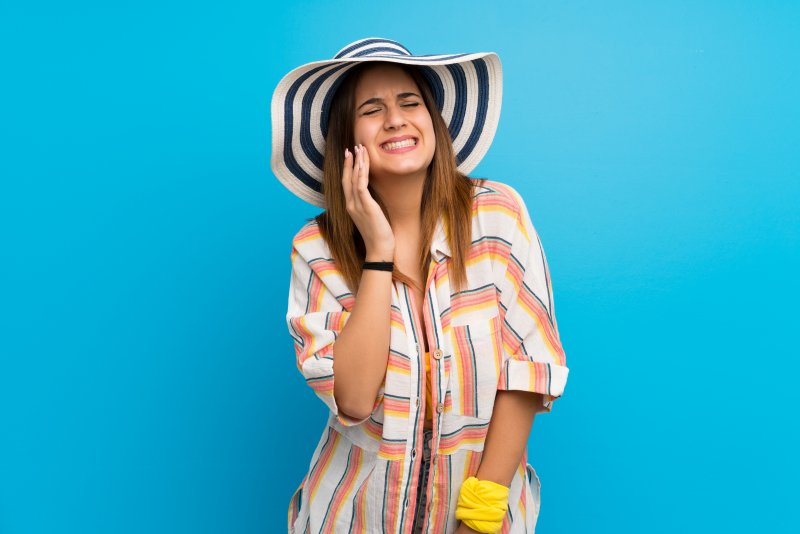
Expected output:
(482, 505)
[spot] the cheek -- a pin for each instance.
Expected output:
(428, 129)
(430, 134)
(362, 131)
(358, 133)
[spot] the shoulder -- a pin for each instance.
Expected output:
(307, 233)
(310, 252)
(309, 243)
(498, 201)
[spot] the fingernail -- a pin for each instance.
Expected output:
(346, 153)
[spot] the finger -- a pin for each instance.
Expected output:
(347, 176)
(354, 180)
(366, 164)
(363, 178)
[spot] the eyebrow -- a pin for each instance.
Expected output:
(380, 100)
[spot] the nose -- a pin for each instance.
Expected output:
(394, 118)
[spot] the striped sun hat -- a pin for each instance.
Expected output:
(468, 89)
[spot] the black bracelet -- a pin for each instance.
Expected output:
(379, 265)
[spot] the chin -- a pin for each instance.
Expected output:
(409, 167)
(404, 171)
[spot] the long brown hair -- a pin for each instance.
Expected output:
(446, 191)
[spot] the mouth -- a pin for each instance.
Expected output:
(403, 145)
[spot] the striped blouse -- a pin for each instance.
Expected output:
(498, 332)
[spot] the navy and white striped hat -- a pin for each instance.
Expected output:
(468, 89)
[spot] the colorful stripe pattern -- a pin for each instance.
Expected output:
(498, 333)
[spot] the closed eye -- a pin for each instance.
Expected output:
(406, 105)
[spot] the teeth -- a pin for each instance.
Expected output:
(399, 144)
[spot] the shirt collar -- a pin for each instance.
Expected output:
(440, 248)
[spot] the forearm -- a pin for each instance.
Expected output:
(509, 429)
(360, 353)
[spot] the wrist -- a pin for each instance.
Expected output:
(380, 255)
(386, 266)
(482, 504)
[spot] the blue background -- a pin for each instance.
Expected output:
(147, 379)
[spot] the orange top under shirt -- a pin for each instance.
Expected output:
(428, 401)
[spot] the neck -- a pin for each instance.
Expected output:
(402, 196)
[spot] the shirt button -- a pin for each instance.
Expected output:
(437, 354)
(439, 408)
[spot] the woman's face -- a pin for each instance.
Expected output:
(392, 122)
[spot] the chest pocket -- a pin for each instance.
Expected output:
(476, 355)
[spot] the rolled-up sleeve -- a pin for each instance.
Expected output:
(533, 358)
(315, 318)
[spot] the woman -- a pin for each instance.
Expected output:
(420, 302)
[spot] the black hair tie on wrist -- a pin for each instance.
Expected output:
(379, 265)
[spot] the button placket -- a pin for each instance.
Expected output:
(437, 354)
